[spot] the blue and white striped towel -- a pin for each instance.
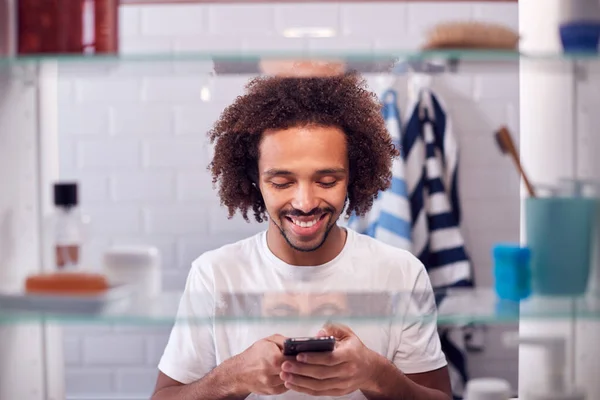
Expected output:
(430, 151)
(420, 212)
(431, 154)
(389, 219)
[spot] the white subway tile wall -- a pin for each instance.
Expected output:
(135, 139)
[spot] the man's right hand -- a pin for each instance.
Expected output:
(256, 370)
(259, 367)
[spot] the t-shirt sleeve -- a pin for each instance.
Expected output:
(189, 353)
(419, 349)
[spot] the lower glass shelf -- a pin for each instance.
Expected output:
(454, 306)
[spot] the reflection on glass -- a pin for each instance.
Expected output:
(293, 304)
(304, 304)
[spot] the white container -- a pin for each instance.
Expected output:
(138, 266)
(487, 389)
(555, 385)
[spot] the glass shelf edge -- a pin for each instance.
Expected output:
(102, 320)
(229, 63)
(358, 55)
(458, 306)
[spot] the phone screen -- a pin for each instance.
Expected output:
(293, 346)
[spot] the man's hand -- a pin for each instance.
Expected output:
(259, 367)
(349, 367)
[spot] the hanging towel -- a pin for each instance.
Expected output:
(420, 212)
(389, 219)
(431, 154)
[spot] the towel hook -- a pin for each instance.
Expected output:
(418, 80)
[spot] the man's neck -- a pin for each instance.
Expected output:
(328, 251)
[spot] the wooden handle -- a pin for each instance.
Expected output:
(522, 172)
(512, 150)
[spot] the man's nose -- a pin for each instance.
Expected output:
(305, 199)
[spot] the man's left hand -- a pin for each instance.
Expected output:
(349, 367)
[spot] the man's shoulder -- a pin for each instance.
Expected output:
(383, 255)
(229, 254)
(368, 246)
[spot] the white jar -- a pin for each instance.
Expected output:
(138, 266)
(487, 389)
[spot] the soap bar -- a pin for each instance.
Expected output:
(79, 283)
(512, 274)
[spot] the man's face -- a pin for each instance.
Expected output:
(303, 174)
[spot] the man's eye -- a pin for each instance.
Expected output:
(280, 185)
(328, 183)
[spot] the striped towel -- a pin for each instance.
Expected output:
(431, 154)
(389, 219)
(420, 212)
(430, 151)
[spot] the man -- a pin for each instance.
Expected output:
(298, 152)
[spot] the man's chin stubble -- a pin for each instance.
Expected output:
(303, 250)
(311, 249)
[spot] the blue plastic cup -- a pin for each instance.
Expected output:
(560, 232)
(511, 271)
(580, 36)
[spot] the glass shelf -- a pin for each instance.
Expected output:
(455, 306)
(376, 61)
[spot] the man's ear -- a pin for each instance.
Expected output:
(346, 201)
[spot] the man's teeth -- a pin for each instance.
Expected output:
(305, 224)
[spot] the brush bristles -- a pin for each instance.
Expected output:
(502, 140)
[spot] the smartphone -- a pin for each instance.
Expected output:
(293, 346)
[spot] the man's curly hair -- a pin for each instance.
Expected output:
(277, 103)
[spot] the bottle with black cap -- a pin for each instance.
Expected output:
(68, 225)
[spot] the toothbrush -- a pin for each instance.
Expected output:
(506, 145)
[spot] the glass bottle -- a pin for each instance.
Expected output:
(68, 226)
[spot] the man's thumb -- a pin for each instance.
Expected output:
(339, 331)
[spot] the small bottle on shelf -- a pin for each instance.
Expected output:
(68, 226)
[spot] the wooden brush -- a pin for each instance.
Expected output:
(506, 145)
(471, 35)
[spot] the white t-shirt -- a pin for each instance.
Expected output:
(230, 292)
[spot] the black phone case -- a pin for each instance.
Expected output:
(293, 346)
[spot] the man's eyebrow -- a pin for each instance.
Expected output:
(282, 172)
(277, 172)
(327, 171)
